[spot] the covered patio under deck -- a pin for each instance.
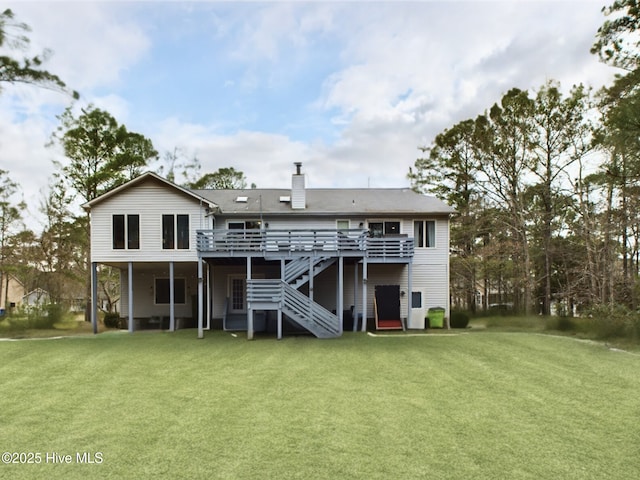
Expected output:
(152, 293)
(298, 254)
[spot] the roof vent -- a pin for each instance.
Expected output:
(242, 199)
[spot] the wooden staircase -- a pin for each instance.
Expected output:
(298, 271)
(284, 295)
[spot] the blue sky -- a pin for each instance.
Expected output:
(351, 89)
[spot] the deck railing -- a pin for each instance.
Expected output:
(354, 242)
(390, 247)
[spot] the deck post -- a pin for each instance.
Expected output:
(364, 295)
(340, 306)
(130, 291)
(311, 286)
(249, 309)
(279, 325)
(94, 297)
(172, 296)
(355, 298)
(409, 294)
(311, 278)
(200, 293)
(209, 297)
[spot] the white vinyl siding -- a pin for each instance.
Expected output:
(150, 200)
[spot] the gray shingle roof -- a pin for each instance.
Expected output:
(327, 201)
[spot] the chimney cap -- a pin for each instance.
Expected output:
(298, 166)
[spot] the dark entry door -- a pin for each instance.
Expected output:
(388, 302)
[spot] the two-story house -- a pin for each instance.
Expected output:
(318, 260)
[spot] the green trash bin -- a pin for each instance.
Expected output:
(435, 316)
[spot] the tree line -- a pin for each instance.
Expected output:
(546, 185)
(100, 154)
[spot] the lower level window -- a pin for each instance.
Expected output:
(163, 294)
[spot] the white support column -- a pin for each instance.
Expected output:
(200, 294)
(209, 297)
(340, 305)
(356, 309)
(279, 326)
(364, 295)
(94, 297)
(249, 309)
(409, 294)
(130, 289)
(172, 296)
(447, 311)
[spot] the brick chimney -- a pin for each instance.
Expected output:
(298, 195)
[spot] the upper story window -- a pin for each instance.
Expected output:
(175, 232)
(380, 229)
(126, 232)
(244, 225)
(424, 233)
(342, 225)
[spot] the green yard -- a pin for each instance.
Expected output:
(476, 405)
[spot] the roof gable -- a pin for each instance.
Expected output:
(146, 177)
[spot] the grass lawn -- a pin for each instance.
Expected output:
(468, 406)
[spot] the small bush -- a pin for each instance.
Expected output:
(35, 317)
(112, 320)
(40, 322)
(563, 324)
(459, 320)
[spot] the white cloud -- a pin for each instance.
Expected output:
(395, 74)
(28, 161)
(266, 159)
(92, 43)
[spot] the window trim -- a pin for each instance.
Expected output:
(384, 222)
(135, 241)
(172, 237)
(425, 233)
(121, 237)
(246, 225)
(343, 220)
(127, 241)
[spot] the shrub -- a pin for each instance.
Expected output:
(459, 319)
(40, 322)
(42, 317)
(563, 324)
(112, 320)
(607, 321)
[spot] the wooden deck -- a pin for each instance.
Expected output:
(275, 244)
